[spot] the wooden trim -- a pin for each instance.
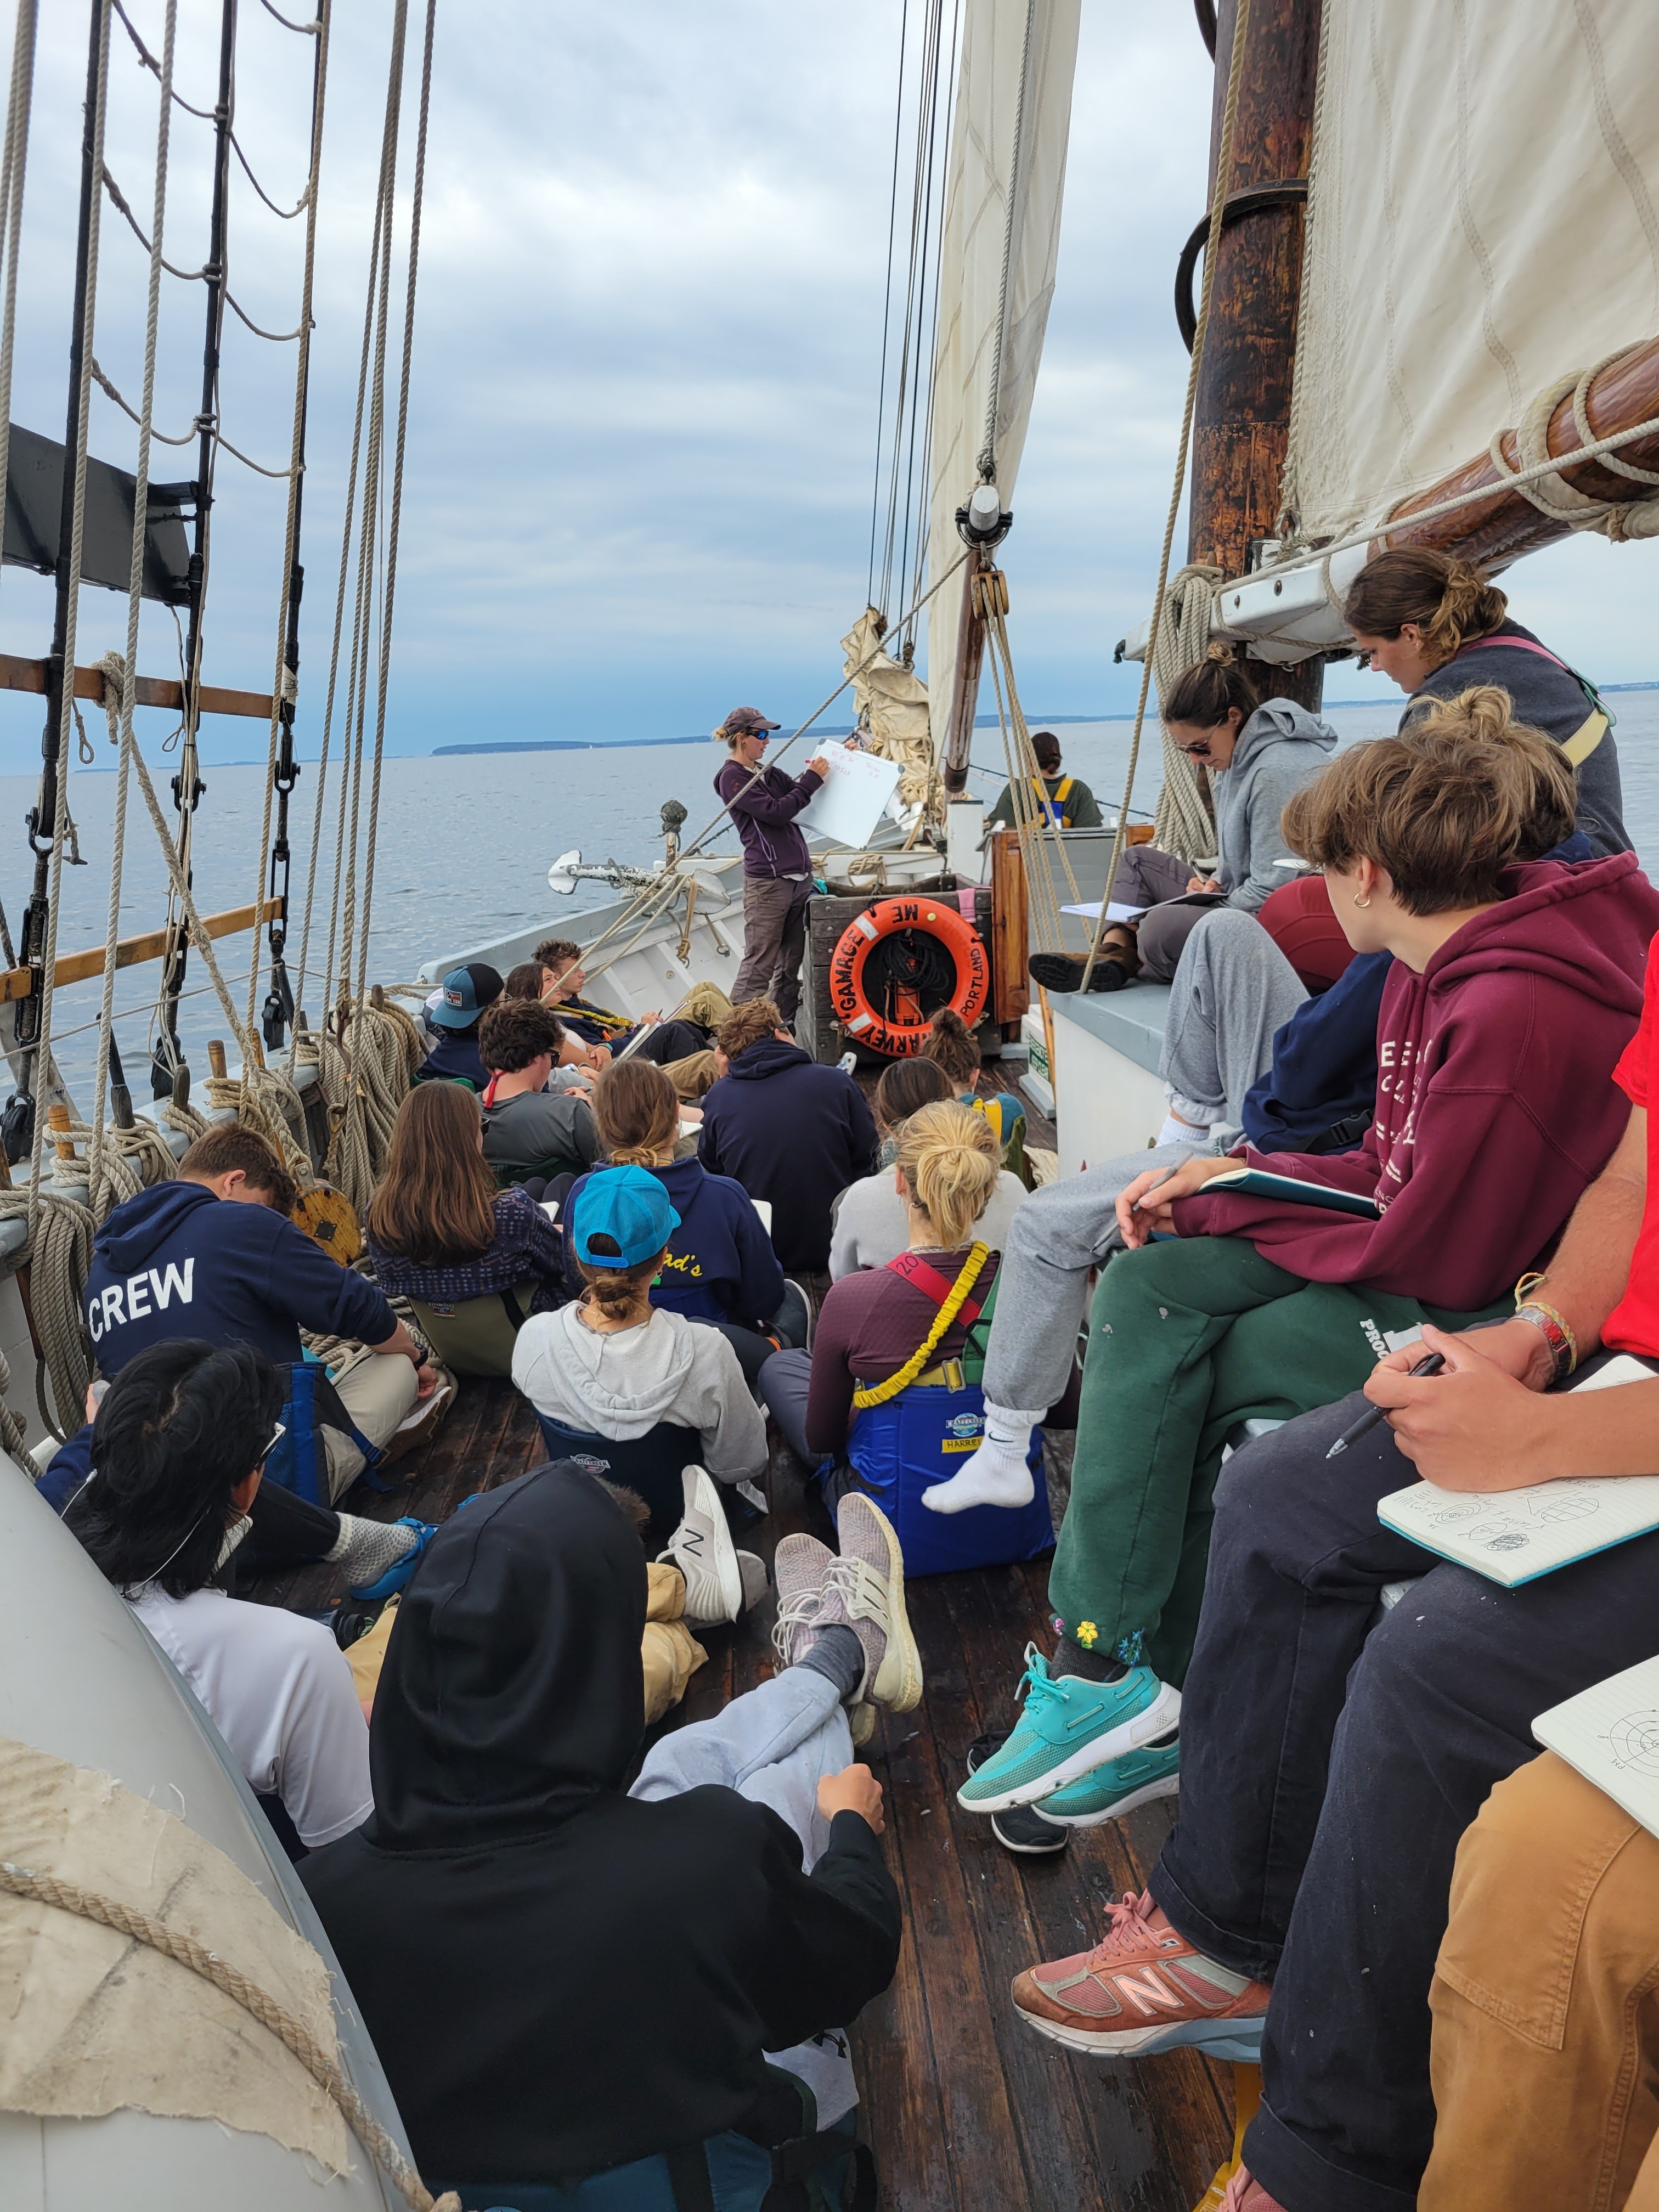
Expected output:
(81, 967)
(17, 674)
(1011, 986)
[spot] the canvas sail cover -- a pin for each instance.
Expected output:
(1481, 224)
(1001, 237)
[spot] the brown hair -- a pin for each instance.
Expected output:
(1045, 747)
(436, 1201)
(1202, 695)
(1445, 807)
(616, 1291)
(953, 1045)
(526, 980)
(949, 1160)
(559, 953)
(906, 1085)
(636, 1110)
(227, 1145)
(514, 1032)
(1451, 602)
(747, 1024)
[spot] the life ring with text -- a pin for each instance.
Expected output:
(934, 917)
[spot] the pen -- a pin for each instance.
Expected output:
(1372, 1414)
(1146, 1194)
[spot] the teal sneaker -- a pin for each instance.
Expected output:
(1067, 1728)
(1134, 1778)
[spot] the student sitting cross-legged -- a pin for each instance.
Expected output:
(720, 1266)
(1333, 1753)
(636, 1989)
(1514, 990)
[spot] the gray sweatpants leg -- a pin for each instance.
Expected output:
(783, 1382)
(1233, 990)
(774, 1746)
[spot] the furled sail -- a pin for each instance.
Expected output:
(1001, 237)
(1482, 227)
(890, 701)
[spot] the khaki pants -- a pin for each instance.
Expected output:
(691, 1077)
(1545, 2003)
(669, 1651)
(378, 1390)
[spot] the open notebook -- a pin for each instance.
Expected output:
(1262, 1182)
(1611, 1734)
(1513, 1536)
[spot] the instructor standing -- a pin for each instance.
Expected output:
(777, 875)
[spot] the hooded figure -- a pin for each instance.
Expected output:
(794, 1133)
(561, 1978)
(1281, 747)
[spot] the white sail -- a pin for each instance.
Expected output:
(1481, 224)
(1007, 175)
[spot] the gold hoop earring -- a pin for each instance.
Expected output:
(1360, 902)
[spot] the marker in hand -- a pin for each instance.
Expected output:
(1372, 1414)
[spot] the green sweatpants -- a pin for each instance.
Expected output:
(1187, 1339)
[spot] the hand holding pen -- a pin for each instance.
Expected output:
(1368, 1420)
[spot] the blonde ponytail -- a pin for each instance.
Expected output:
(949, 1161)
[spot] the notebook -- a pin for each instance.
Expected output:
(1611, 1734)
(1513, 1536)
(1262, 1182)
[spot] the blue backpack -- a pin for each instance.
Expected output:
(299, 1462)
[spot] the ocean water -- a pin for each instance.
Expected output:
(465, 842)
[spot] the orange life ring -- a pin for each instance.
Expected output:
(935, 917)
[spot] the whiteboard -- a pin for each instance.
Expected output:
(848, 805)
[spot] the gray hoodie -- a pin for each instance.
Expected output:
(1279, 748)
(620, 1385)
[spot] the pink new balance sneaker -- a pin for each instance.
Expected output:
(1143, 1989)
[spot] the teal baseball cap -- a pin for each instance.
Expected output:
(628, 1206)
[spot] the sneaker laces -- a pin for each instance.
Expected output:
(863, 1592)
(1128, 1931)
(1039, 1685)
(798, 1611)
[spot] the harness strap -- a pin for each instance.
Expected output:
(877, 1394)
(688, 2177)
(797, 2162)
(1596, 724)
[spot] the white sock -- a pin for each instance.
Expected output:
(997, 1474)
(1177, 1132)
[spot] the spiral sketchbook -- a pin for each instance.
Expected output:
(1513, 1536)
(1610, 1734)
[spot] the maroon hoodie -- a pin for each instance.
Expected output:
(1495, 1098)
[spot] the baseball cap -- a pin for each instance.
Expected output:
(748, 720)
(467, 992)
(628, 1206)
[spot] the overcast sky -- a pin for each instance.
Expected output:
(648, 348)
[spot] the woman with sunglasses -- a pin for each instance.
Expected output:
(1260, 754)
(178, 1448)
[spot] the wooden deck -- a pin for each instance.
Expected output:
(967, 2111)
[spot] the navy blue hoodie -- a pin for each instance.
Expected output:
(794, 1133)
(720, 1265)
(454, 1058)
(176, 1261)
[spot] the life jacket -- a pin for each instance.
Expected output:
(1057, 808)
(298, 1461)
(1009, 1131)
(916, 1429)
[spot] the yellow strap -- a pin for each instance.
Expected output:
(992, 1110)
(879, 1393)
(1585, 738)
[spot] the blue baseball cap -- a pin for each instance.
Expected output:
(628, 1206)
(467, 992)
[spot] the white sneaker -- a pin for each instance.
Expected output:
(702, 1548)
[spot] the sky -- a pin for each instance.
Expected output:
(648, 348)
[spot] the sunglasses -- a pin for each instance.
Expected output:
(281, 1430)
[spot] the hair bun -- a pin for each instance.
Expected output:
(1220, 653)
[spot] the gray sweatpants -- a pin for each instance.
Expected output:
(1233, 990)
(774, 1746)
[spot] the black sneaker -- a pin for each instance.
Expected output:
(1024, 1830)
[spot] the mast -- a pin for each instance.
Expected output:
(168, 1058)
(1241, 422)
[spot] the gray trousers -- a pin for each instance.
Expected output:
(783, 1385)
(774, 939)
(1233, 990)
(772, 1746)
(1158, 880)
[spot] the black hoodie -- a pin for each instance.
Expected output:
(794, 1133)
(559, 1977)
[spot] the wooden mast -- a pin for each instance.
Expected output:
(1241, 423)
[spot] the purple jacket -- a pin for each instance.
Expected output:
(765, 815)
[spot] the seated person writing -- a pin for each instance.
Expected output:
(1066, 800)
(790, 1132)
(180, 1443)
(720, 1266)
(1333, 1754)
(615, 1378)
(889, 1392)
(1260, 754)
(873, 1221)
(574, 1068)
(1512, 987)
(682, 1043)
(614, 1968)
(531, 1134)
(474, 1259)
(956, 1048)
(451, 1016)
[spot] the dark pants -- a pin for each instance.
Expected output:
(788, 1325)
(287, 1531)
(774, 939)
(1329, 1764)
(673, 1040)
(1156, 880)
